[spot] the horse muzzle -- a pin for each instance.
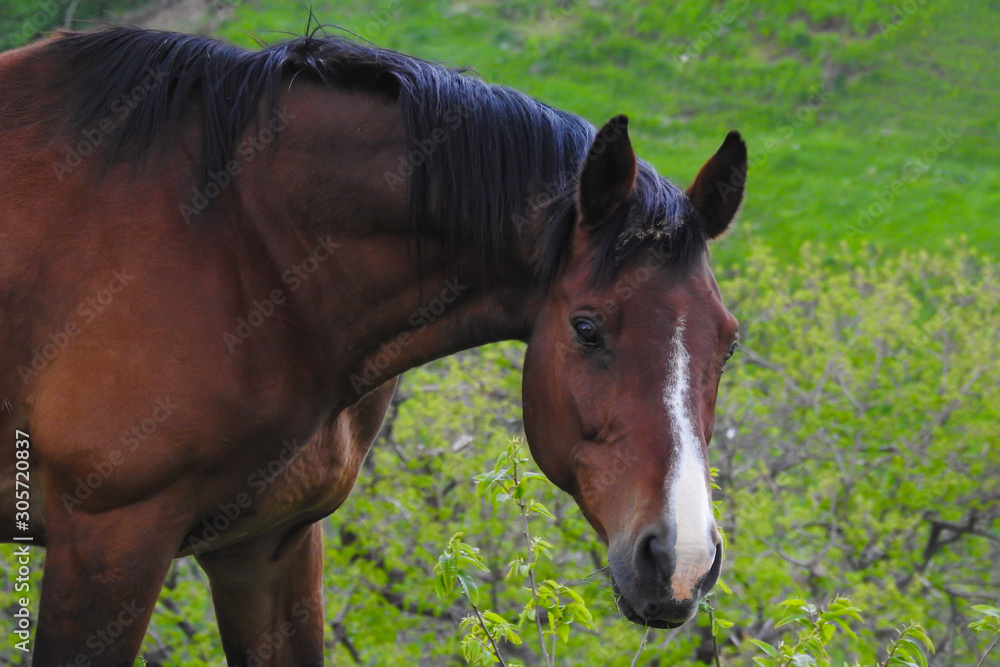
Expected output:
(658, 582)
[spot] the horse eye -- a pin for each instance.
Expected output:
(587, 333)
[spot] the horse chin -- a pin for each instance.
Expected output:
(632, 615)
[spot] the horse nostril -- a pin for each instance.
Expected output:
(654, 557)
(712, 576)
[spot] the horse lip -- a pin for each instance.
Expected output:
(629, 612)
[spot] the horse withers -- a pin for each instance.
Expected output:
(215, 263)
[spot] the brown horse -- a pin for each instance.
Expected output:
(215, 263)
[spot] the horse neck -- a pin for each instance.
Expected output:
(449, 303)
(389, 301)
(438, 305)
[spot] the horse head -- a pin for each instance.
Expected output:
(623, 367)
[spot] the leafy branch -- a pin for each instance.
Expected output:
(451, 569)
(506, 483)
(990, 622)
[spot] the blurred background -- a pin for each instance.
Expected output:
(857, 440)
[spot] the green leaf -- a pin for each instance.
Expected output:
(765, 647)
(440, 589)
(792, 618)
(582, 614)
(493, 616)
(539, 508)
(470, 556)
(917, 654)
(839, 612)
(845, 627)
(469, 586)
(794, 602)
(918, 632)
(987, 610)
(720, 623)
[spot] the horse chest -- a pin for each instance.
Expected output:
(309, 483)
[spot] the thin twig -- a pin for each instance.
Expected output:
(715, 642)
(531, 574)
(983, 659)
(892, 652)
(482, 624)
(642, 647)
(597, 571)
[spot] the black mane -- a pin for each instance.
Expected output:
(507, 159)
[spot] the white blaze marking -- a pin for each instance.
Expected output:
(685, 485)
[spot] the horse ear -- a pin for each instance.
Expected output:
(608, 174)
(718, 190)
